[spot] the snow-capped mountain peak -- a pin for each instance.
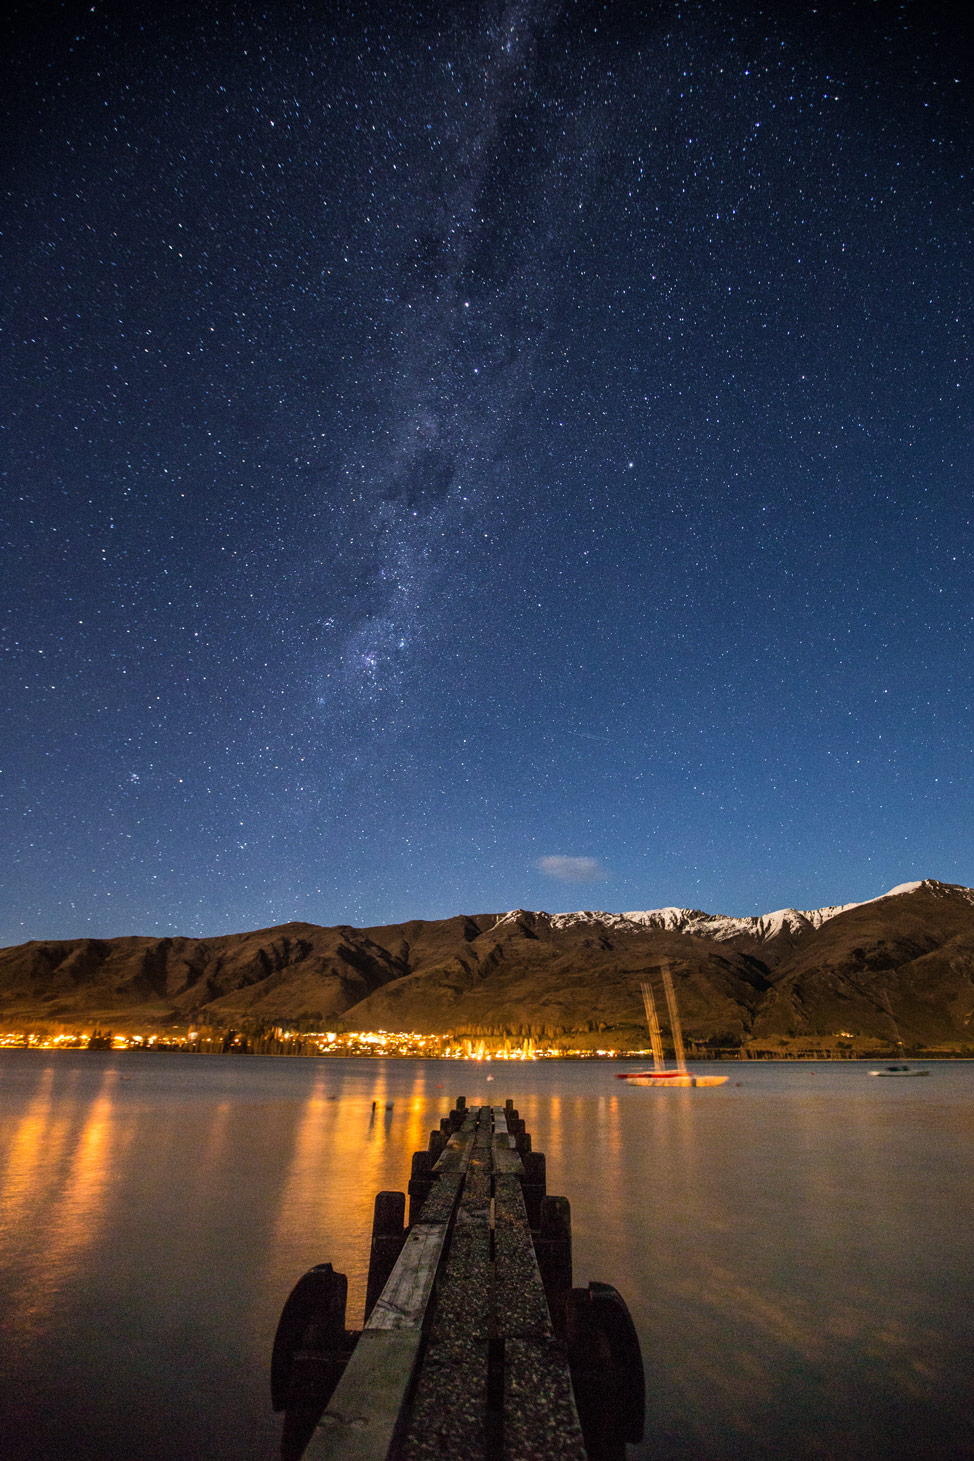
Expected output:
(720, 926)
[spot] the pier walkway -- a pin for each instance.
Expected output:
(475, 1346)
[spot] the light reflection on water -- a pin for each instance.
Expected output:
(795, 1248)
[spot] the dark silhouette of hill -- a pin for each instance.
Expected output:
(777, 980)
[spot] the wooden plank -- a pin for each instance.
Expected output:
(520, 1306)
(448, 1413)
(448, 1417)
(506, 1158)
(457, 1142)
(362, 1416)
(540, 1418)
(450, 1169)
(402, 1303)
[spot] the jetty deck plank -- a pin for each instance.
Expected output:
(520, 1306)
(449, 1410)
(540, 1419)
(402, 1303)
(362, 1417)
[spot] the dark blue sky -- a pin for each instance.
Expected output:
(480, 455)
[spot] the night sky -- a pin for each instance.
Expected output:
(468, 456)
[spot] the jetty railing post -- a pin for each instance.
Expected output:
(534, 1185)
(388, 1236)
(437, 1144)
(553, 1246)
(590, 1380)
(607, 1370)
(421, 1179)
(311, 1350)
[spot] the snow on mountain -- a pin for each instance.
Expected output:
(723, 926)
(719, 926)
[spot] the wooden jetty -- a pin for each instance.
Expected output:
(475, 1345)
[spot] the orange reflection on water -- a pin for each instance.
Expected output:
(37, 1143)
(305, 1169)
(73, 1217)
(325, 1206)
(343, 1151)
(417, 1118)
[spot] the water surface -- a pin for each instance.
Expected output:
(795, 1246)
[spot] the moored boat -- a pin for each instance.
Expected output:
(899, 1070)
(659, 1075)
(669, 1078)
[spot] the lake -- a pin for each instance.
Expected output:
(795, 1246)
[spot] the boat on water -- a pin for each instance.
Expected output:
(901, 1068)
(659, 1075)
(668, 1078)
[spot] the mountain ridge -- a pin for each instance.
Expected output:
(793, 978)
(721, 926)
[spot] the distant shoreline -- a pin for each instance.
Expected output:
(572, 1058)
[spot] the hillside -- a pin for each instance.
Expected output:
(791, 977)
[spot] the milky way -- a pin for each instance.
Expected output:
(458, 454)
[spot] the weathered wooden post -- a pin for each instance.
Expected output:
(388, 1236)
(534, 1185)
(311, 1350)
(421, 1179)
(607, 1370)
(553, 1246)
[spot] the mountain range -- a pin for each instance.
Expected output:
(896, 968)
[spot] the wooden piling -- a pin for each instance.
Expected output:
(388, 1237)
(534, 1185)
(420, 1180)
(553, 1246)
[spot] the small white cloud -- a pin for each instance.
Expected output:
(572, 869)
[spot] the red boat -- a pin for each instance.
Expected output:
(660, 1076)
(656, 1075)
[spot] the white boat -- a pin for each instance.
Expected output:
(659, 1075)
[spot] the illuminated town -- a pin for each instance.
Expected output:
(282, 1041)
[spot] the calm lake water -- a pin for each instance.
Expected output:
(795, 1246)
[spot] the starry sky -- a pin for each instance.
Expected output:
(468, 456)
